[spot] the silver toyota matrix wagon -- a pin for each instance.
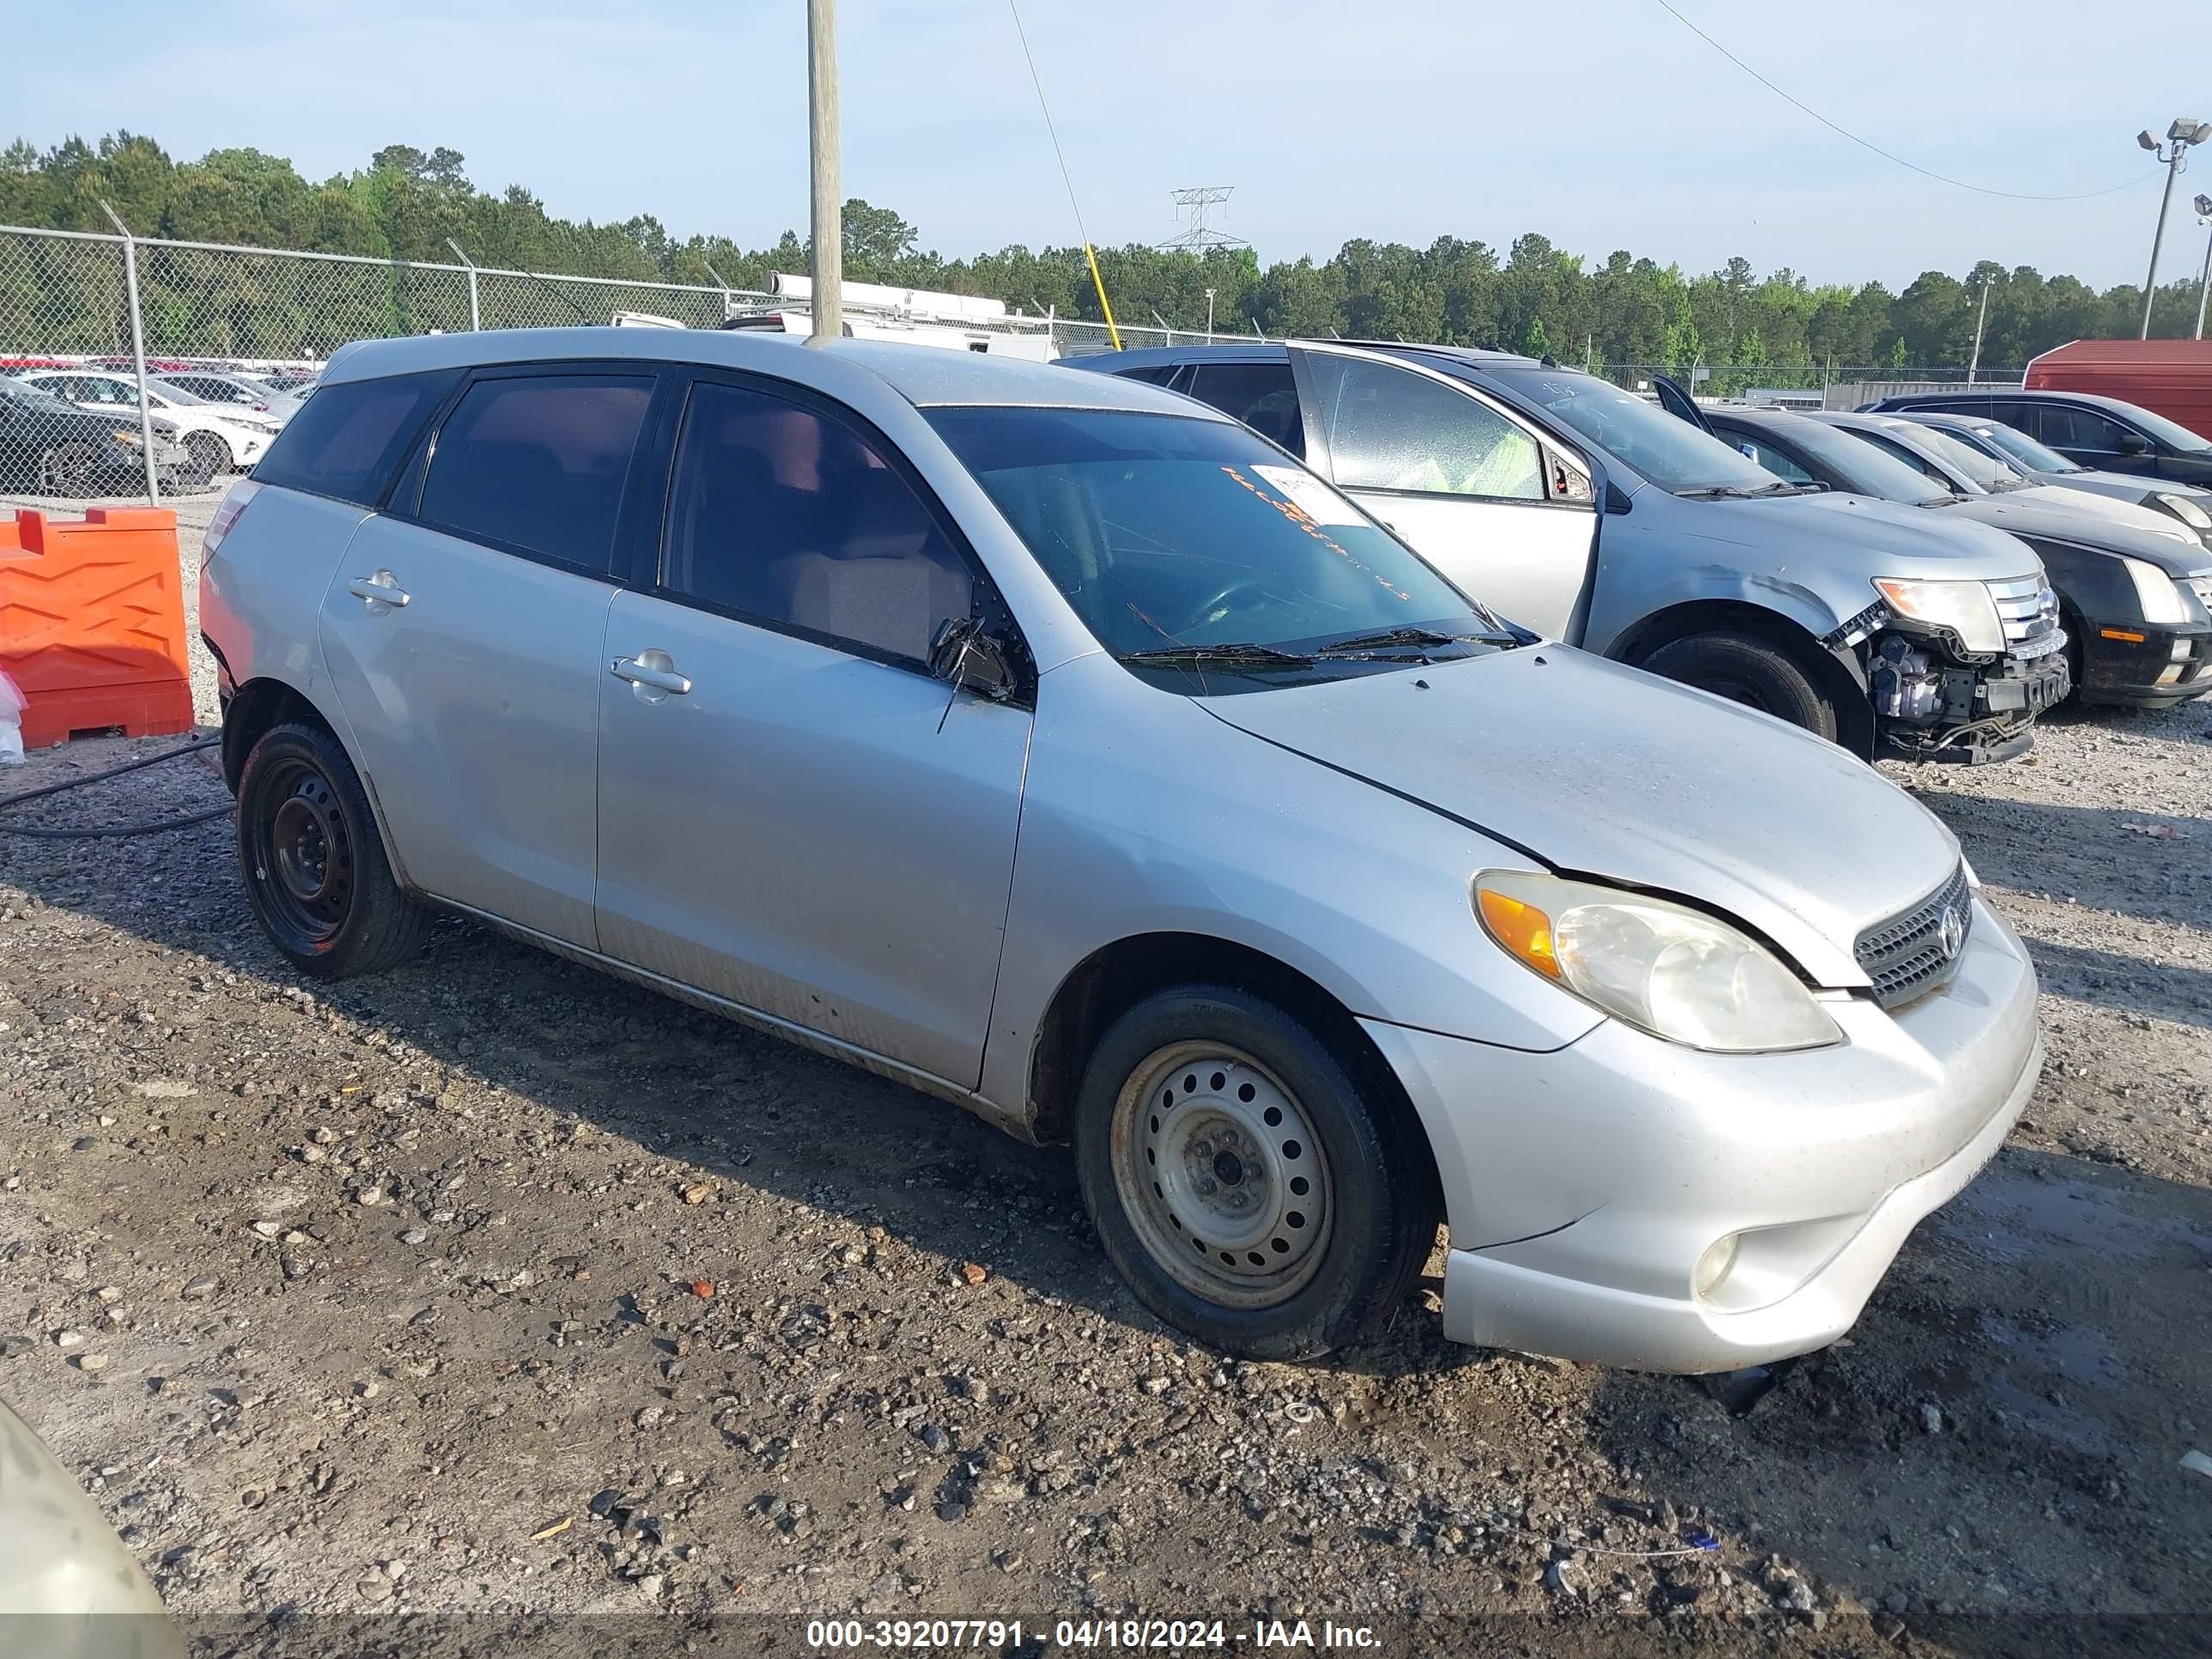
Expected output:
(1057, 745)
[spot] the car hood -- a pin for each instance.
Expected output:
(2097, 522)
(1905, 541)
(1608, 772)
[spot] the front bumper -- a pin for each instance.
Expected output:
(2135, 671)
(1583, 1185)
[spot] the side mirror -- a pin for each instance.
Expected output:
(2134, 443)
(970, 658)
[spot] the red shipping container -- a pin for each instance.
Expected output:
(92, 622)
(2173, 378)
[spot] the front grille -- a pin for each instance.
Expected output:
(2028, 608)
(2202, 587)
(1907, 955)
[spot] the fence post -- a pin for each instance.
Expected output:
(476, 317)
(137, 353)
(724, 281)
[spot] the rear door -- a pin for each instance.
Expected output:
(794, 815)
(1472, 485)
(462, 629)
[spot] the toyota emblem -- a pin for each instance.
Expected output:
(1951, 931)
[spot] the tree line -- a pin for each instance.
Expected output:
(1533, 296)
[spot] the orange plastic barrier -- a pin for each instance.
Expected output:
(92, 622)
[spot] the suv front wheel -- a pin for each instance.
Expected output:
(1252, 1192)
(315, 871)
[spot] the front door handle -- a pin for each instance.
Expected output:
(651, 671)
(382, 588)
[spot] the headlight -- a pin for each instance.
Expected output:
(1663, 967)
(2185, 510)
(2158, 593)
(124, 434)
(1965, 608)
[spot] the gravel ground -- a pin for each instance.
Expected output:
(491, 1286)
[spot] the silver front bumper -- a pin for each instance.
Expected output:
(1582, 1186)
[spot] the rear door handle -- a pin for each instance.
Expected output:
(382, 588)
(657, 675)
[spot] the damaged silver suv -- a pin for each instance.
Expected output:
(1056, 745)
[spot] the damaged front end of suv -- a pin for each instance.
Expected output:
(1958, 670)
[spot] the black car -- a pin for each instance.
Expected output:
(49, 447)
(2102, 433)
(2137, 602)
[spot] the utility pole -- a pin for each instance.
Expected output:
(827, 216)
(2204, 282)
(1975, 362)
(2179, 136)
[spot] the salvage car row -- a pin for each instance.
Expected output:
(76, 430)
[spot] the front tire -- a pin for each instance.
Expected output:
(1254, 1190)
(67, 470)
(316, 875)
(1746, 669)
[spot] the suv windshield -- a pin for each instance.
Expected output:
(1666, 449)
(2023, 448)
(1191, 546)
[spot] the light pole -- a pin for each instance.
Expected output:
(2178, 137)
(1209, 313)
(2204, 282)
(828, 213)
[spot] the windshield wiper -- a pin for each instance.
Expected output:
(1383, 638)
(1739, 493)
(1266, 655)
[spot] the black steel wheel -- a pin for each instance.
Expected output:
(315, 871)
(210, 455)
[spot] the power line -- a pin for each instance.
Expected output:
(1886, 155)
(1051, 131)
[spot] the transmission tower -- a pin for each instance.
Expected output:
(1198, 203)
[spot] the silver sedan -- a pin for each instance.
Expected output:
(1064, 748)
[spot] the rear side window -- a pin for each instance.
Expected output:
(344, 442)
(1157, 374)
(1262, 395)
(538, 463)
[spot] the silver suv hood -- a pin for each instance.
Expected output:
(1609, 772)
(1904, 541)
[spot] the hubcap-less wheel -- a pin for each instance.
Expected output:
(66, 470)
(303, 857)
(1220, 1174)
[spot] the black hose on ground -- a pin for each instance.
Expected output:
(105, 831)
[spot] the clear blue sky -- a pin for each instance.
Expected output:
(1603, 124)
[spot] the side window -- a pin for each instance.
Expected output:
(1156, 373)
(1781, 465)
(1390, 429)
(792, 518)
(2068, 427)
(539, 462)
(2012, 414)
(1926, 468)
(1262, 395)
(345, 440)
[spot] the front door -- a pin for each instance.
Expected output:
(794, 815)
(1465, 481)
(462, 633)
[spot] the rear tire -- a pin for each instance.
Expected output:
(1254, 1190)
(1750, 671)
(315, 871)
(210, 455)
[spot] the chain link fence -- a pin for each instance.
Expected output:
(228, 333)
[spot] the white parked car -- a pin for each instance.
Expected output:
(240, 393)
(221, 438)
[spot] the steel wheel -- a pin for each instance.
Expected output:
(303, 856)
(1222, 1175)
